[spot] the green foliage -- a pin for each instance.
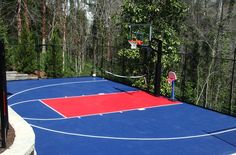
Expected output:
(53, 64)
(190, 92)
(166, 16)
(68, 72)
(26, 54)
(3, 31)
(87, 70)
(165, 86)
(129, 53)
(9, 50)
(167, 19)
(131, 60)
(140, 83)
(43, 61)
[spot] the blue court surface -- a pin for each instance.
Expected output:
(167, 129)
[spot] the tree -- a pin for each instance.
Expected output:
(26, 54)
(43, 28)
(167, 19)
(19, 19)
(104, 31)
(53, 64)
(9, 50)
(209, 35)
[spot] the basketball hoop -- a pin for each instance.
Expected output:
(171, 77)
(171, 80)
(142, 33)
(135, 43)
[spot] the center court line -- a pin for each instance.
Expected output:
(51, 85)
(134, 138)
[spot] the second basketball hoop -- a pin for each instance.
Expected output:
(140, 35)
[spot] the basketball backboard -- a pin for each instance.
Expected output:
(141, 32)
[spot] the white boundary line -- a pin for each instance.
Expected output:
(53, 109)
(133, 138)
(51, 85)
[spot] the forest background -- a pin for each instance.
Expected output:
(68, 38)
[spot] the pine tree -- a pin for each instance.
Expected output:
(9, 50)
(53, 64)
(26, 54)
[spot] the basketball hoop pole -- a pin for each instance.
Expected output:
(157, 80)
(173, 90)
(171, 79)
(3, 96)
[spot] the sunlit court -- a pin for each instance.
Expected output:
(92, 115)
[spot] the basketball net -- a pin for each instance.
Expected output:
(135, 43)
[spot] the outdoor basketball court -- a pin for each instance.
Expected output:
(95, 116)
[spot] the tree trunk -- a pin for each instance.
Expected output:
(64, 32)
(219, 23)
(26, 14)
(19, 20)
(43, 26)
(215, 52)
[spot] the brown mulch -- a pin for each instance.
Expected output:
(10, 139)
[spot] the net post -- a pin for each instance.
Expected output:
(3, 96)
(157, 81)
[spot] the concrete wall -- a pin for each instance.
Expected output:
(24, 143)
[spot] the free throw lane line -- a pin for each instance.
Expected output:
(52, 109)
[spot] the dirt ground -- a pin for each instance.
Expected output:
(10, 139)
